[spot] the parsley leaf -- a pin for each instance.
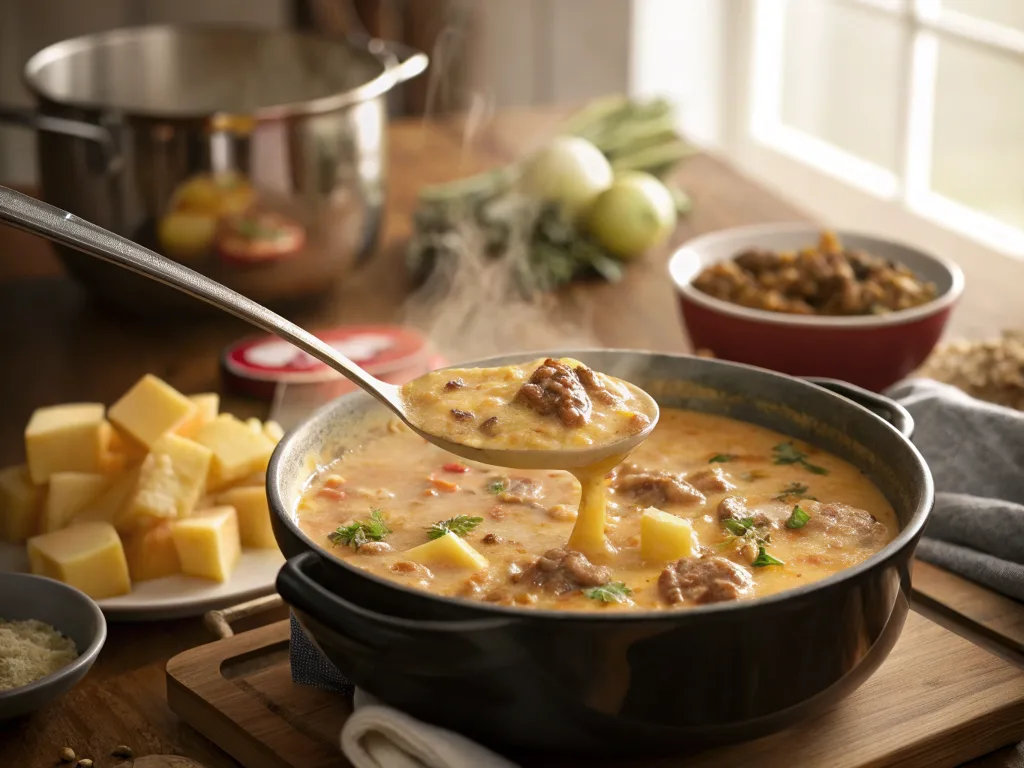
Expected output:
(763, 558)
(738, 527)
(460, 526)
(787, 453)
(794, 491)
(721, 458)
(612, 592)
(357, 533)
(798, 518)
(498, 485)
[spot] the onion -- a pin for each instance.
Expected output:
(569, 172)
(636, 213)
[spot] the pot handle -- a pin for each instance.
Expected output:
(299, 589)
(880, 405)
(403, 61)
(79, 129)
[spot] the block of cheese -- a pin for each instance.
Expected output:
(151, 409)
(250, 503)
(237, 450)
(207, 408)
(66, 438)
(20, 502)
(665, 537)
(448, 550)
(106, 507)
(208, 543)
(273, 431)
(68, 494)
(172, 479)
(151, 554)
(89, 557)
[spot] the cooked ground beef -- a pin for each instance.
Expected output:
(492, 538)
(490, 426)
(735, 508)
(461, 415)
(454, 384)
(594, 388)
(851, 524)
(655, 487)
(374, 548)
(704, 580)
(521, 490)
(554, 388)
(824, 280)
(562, 570)
(713, 480)
(409, 568)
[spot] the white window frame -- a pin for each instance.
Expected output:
(835, 185)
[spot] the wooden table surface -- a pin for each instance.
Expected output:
(60, 347)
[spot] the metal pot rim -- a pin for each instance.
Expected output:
(390, 75)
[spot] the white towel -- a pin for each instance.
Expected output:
(377, 736)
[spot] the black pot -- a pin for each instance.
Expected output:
(621, 682)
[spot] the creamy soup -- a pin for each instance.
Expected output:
(708, 509)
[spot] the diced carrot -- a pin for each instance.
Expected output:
(443, 485)
(455, 466)
(335, 494)
(430, 491)
(334, 481)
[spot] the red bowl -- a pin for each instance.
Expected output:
(873, 351)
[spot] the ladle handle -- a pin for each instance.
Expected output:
(31, 215)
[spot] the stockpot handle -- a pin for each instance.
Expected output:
(880, 405)
(78, 129)
(403, 61)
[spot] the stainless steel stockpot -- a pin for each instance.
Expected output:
(256, 156)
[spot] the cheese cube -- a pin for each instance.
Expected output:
(20, 502)
(208, 544)
(151, 554)
(207, 408)
(448, 550)
(106, 507)
(151, 409)
(171, 482)
(65, 438)
(665, 537)
(250, 503)
(89, 557)
(69, 493)
(273, 431)
(237, 450)
(255, 425)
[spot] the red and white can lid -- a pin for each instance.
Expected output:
(256, 366)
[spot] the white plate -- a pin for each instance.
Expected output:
(175, 597)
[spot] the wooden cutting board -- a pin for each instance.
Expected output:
(938, 700)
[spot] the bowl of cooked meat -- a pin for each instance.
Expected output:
(745, 567)
(807, 302)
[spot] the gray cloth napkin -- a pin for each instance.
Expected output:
(976, 454)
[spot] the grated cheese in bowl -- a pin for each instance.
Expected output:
(30, 650)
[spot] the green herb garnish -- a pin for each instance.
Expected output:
(497, 486)
(721, 458)
(798, 518)
(460, 526)
(787, 453)
(763, 558)
(612, 592)
(738, 527)
(361, 531)
(794, 491)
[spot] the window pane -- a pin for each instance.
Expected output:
(978, 144)
(1009, 13)
(841, 77)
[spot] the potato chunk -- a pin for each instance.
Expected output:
(151, 409)
(20, 502)
(208, 544)
(89, 557)
(238, 451)
(665, 537)
(448, 550)
(66, 438)
(171, 481)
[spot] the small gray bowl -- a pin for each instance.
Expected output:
(74, 614)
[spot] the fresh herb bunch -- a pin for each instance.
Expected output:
(359, 532)
(612, 592)
(460, 526)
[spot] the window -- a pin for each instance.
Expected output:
(914, 102)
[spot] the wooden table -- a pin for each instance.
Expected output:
(59, 347)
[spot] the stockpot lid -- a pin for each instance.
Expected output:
(191, 71)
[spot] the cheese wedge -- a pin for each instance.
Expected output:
(665, 537)
(68, 495)
(151, 409)
(106, 507)
(238, 451)
(207, 408)
(273, 431)
(66, 438)
(208, 543)
(20, 502)
(89, 557)
(250, 503)
(151, 554)
(171, 482)
(448, 550)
